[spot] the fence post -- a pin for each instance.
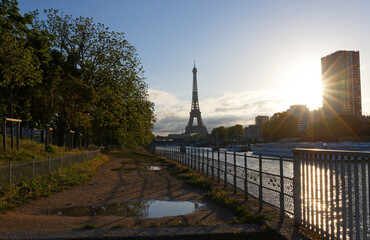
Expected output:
(225, 177)
(4, 133)
(234, 172)
(281, 188)
(49, 164)
(297, 187)
(260, 198)
(245, 177)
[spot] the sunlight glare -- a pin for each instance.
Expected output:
(303, 85)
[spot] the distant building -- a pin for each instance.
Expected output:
(260, 120)
(303, 114)
(255, 131)
(341, 83)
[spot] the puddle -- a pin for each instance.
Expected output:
(138, 209)
(155, 168)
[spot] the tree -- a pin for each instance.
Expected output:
(281, 125)
(219, 133)
(19, 65)
(106, 62)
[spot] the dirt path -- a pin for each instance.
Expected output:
(109, 186)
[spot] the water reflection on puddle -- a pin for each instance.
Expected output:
(154, 168)
(139, 209)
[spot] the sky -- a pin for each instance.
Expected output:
(253, 57)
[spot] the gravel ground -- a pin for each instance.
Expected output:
(31, 221)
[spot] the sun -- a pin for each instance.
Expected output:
(303, 85)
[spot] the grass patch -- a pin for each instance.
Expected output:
(88, 226)
(30, 150)
(117, 226)
(239, 209)
(58, 181)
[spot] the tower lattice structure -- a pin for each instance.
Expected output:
(195, 111)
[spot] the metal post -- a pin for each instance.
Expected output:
(297, 187)
(46, 139)
(225, 176)
(4, 133)
(207, 161)
(245, 177)
(67, 142)
(281, 187)
(218, 166)
(260, 198)
(213, 165)
(234, 172)
(203, 160)
(198, 160)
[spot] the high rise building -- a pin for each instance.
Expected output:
(303, 114)
(195, 111)
(341, 83)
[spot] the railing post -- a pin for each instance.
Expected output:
(234, 172)
(225, 176)
(213, 164)
(260, 198)
(207, 161)
(297, 187)
(203, 160)
(218, 166)
(282, 210)
(245, 177)
(198, 160)
(191, 158)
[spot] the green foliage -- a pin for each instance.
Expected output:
(50, 149)
(231, 133)
(47, 185)
(72, 73)
(238, 208)
(30, 150)
(281, 125)
(331, 129)
(88, 226)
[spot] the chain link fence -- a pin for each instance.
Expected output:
(13, 173)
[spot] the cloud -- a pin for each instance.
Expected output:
(227, 110)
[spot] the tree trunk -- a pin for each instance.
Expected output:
(42, 135)
(61, 128)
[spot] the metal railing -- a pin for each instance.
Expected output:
(267, 178)
(332, 190)
(13, 173)
(326, 191)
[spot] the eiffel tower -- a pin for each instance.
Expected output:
(195, 112)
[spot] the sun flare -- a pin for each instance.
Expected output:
(303, 85)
